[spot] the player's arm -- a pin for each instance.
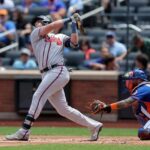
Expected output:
(74, 38)
(72, 41)
(98, 106)
(44, 30)
(119, 105)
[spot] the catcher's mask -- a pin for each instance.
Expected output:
(44, 20)
(133, 76)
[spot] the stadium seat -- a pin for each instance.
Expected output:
(89, 38)
(119, 14)
(5, 61)
(17, 2)
(28, 18)
(145, 33)
(123, 64)
(74, 58)
(13, 54)
(139, 3)
(96, 46)
(132, 55)
(39, 11)
(143, 15)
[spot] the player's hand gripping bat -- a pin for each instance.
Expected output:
(79, 22)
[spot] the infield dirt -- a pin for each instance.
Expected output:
(35, 140)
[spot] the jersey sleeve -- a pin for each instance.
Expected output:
(35, 35)
(64, 37)
(139, 94)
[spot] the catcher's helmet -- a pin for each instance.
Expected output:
(45, 19)
(136, 74)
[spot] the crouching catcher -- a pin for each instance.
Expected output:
(139, 87)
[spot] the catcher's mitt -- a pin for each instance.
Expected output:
(97, 106)
(79, 22)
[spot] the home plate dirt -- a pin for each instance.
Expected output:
(35, 140)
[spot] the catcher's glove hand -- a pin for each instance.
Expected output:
(98, 106)
(78, 21)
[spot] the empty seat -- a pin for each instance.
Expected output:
(13, 54)
(139, 3)
(17, 2)
(96, 32)
(124, 65)
(5, 61)
(143, 14)
(119, 14)
(28, 18)
(74, 59)
(132, 55)
(39, 11)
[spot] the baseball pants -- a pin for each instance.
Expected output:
(51, 88)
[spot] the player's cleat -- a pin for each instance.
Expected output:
(20, 135)
(95, 132)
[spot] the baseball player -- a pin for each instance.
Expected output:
(139, 87)
(48, 50)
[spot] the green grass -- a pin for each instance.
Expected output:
(74, 132)
(77, 147)
(71, 131)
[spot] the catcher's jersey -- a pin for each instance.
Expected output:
(142, 94)
(48, 50)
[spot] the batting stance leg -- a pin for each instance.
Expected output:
(58, 100)
(52, 87)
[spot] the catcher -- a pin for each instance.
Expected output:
(139, 87)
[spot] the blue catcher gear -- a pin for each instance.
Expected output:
(144, 134)
(136, 74)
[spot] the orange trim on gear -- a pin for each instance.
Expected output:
(114, 106)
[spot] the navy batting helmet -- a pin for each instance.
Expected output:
(44, 19)
(136, 74)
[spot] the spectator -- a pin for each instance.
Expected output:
(141, 62)
(86, 48)
(6, 25)
(57, 8)
(25, 62)
(110, 63)
(27, 5)
(117, 49)
(105, 62)
(141, 45)
(24, 28)
(6, 4)
(75, 6)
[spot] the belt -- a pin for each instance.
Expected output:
(47, 68)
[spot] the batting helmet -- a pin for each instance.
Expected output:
(44, 19)
(136, 74)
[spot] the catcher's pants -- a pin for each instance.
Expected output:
(51, 88)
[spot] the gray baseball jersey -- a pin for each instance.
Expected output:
(48, 50)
